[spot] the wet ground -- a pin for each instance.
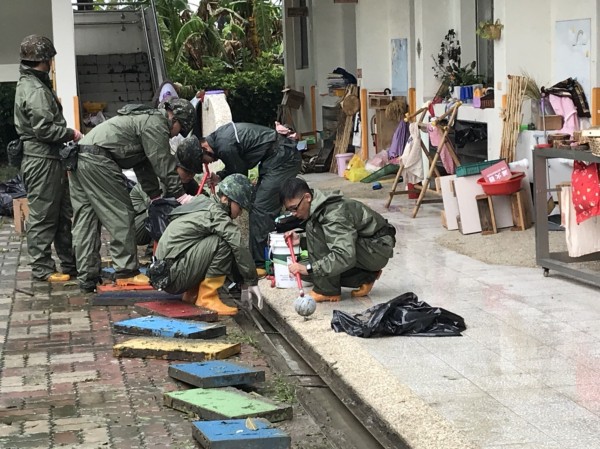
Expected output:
(60, 385)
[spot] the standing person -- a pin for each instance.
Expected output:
(348, 243)
(137, 138)
(200, 245)
(241, 147)
(43, 130)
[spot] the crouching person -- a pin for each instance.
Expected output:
(202, 245)
(348, 243)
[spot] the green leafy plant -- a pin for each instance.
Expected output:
(447, 66)
(7, 123)
(489, 29)
(253, 94)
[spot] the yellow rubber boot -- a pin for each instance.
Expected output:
(140, 279)
(58, 277)
(325, 298)
(364, 289)
(208, 297)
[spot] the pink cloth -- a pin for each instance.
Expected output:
(564, 106)
(435, 138)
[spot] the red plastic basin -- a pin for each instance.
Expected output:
(506, 187)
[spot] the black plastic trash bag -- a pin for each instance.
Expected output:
(403, 315)
(10, 190)
(158, 216)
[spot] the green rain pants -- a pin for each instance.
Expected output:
(100, 198)
(210, 257)
(50, 215)
(371, 256)
(284, 164)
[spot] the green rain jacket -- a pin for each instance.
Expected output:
(241, 146)
(141, 142)
(38, 115)
(339, 222)
(200, 218)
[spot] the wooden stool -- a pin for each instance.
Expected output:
(520, 211)
(521, 214)
(485, 206)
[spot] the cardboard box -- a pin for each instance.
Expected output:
(20, 212)
(553, 122)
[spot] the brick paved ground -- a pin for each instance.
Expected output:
(60, 386)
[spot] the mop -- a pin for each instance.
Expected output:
(205, 176)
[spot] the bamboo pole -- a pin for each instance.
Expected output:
(77, 113)
(364, 125)
(313, 109)
(444, 140)
(412, 99)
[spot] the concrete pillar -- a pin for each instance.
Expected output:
(65, 63)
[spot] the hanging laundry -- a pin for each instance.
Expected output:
(581, 238)
(571, 88)
(399, 140)
(435, 139)
(586, 190)
(564, 106)
(356, 131)
(411, 157)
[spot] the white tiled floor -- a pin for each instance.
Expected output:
(526, 373)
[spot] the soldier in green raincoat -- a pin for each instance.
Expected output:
(141, 201)
(202, 245)
(137, 138)
(241, 147)
(348, 243)
(43, 130)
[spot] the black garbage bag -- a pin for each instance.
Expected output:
(10, 190)
(403, 315)
(158, 216)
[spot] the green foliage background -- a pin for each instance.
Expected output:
(253, 94)
(7, 123)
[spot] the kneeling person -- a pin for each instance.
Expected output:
(202, 242)
(348, 243)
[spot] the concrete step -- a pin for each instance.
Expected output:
(176, 309)
(216, 374)
(156, 326)
(251, 433)
(226, 403)
(161, 348)
(130, 297)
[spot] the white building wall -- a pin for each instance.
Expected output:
(64, 62)
(580, 9)
(432, 19)
(526, 44)
(108, 32)
(377, 23)
(332, 43)
(20, 18)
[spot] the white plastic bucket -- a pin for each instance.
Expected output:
(283, 277)
(280, 255)
(342, 162)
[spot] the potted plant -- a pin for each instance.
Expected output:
(489, 29)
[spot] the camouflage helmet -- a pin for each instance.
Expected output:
(37, 48)
(237, 188)
(183, 112)
(189, 154)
